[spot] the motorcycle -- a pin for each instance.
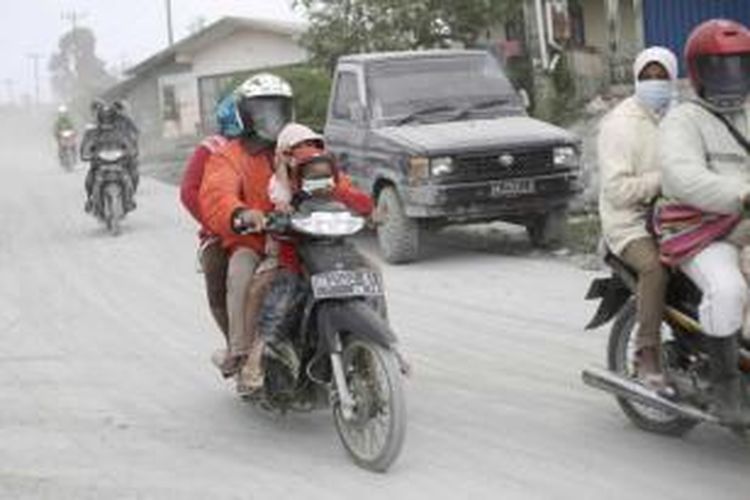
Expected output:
(346, 349)
(66, 149)
(684, 359)
(112, 187)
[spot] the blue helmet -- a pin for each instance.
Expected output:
(226, 117)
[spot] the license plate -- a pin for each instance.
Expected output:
(341, 284)
(511, 187)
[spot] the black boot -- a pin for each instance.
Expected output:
(728, 389)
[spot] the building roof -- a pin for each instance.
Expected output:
(222, 28)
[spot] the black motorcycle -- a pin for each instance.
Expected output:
(341, 338)
(109, 179)
(685, 360)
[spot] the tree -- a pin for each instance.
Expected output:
(77, 74)
(340, 27)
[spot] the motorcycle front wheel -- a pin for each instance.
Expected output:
(374, 435)
(113, 208)
(621, 359)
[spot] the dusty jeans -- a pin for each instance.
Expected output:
(214, 261)
(643, 256)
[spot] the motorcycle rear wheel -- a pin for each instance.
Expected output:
(374, 436)
(621, 356)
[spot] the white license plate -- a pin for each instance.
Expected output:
(341, 284)
(511, 187)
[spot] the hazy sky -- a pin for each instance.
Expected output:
(127, 31)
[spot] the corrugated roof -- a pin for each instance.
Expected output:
(215, 31)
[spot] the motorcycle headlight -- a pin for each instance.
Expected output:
(565, 156)
(110, 154)
(442, 166)
(328, 224)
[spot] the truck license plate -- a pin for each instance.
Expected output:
(342, 284)
(511, 187)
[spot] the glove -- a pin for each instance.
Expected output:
(248, 221)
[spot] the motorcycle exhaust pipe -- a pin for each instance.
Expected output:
(629, 389)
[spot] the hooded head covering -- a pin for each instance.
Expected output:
(293, 134)
(660, 55)
(656, 95)
(226, 117)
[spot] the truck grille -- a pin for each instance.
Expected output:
(491, 167)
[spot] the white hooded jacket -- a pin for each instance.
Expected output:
(628, 161)
(702, 163)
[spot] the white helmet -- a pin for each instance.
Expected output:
(264, 85)
(264, 106)
(62, 109)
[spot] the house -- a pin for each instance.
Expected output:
(172, 94)
(600, 38)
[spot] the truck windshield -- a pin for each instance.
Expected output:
(430, 89)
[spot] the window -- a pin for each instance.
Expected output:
(170, 106)
(347, 94)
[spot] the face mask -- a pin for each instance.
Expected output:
(654, 94)
(311, 186)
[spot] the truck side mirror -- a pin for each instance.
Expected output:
(358, 113)
(525, 99)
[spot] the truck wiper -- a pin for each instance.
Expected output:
(424, 111)
(481, 105)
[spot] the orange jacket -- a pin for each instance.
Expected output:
(236, 178)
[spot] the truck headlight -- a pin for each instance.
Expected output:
(419, 169)
(442, 166)
(565, 156)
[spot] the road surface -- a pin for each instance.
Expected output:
(106, 390)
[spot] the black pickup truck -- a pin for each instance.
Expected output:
(441, 137)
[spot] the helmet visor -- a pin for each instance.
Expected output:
(266, 116)
(725, 75)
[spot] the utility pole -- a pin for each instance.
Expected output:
(9, 83)
(73, 16)
(35, 57)
(170, 32)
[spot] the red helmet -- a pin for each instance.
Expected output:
(717, 54)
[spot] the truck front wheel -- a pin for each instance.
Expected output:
(547, 230)
(398, 235)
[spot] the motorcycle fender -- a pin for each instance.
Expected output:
(613, 294)
(355, 318)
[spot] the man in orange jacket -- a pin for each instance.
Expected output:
(234, 196)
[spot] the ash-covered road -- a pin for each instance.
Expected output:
(106, 390)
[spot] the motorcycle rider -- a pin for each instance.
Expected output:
(305, 170)
(233, 196)
(63, 121)
(110, 119)
(630, 180)
(212, 256)
(705, 165)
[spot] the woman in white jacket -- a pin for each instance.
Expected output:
(706, 165)
(630, 180)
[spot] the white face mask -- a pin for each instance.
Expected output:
(310, 186)
(655, 94)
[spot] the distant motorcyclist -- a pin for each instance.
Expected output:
(110, 123)
(630, 181)
(65, 137)
(705, 160)
(234, 196)
(63, 121)
(213, 257)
